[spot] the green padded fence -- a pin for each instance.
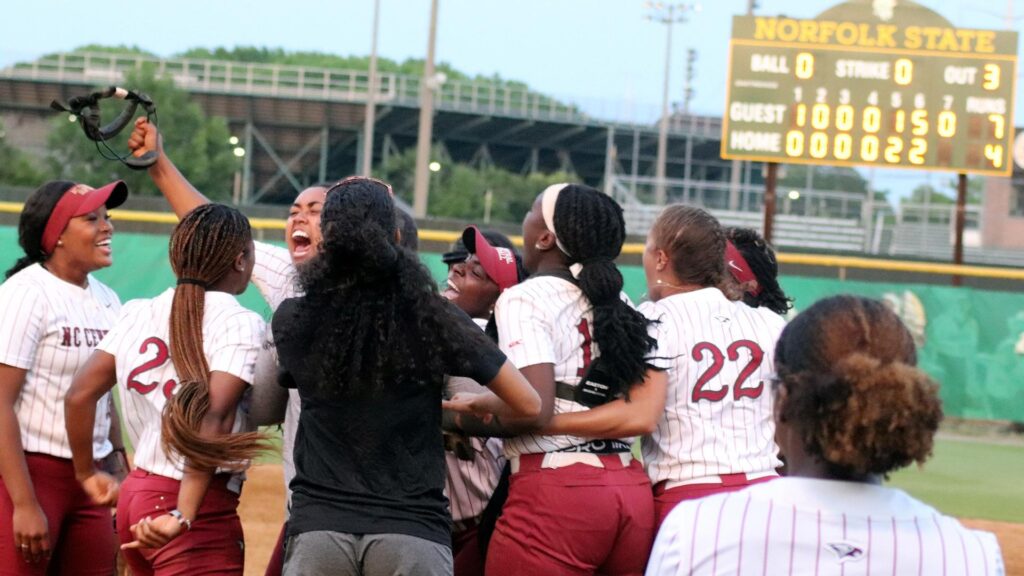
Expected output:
(971, 341)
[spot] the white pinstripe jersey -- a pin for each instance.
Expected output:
(547, 320)
(469, 484)
(819, 527)
(146, 378)
(718, 411)
(49, 327)
(274, 275)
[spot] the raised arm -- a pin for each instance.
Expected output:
(178, 191)
(91, 382)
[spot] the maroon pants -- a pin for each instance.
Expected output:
(214, 545)
(576, 520)
(81, 533)
(275, 567)
(466, 551)
(666, 500)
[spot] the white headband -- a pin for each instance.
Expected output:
(547, 207)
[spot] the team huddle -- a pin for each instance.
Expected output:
(488, 427)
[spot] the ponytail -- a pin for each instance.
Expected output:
(202, 250)
(591, 227)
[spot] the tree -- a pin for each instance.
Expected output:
(198, 143)
(459, 190)
(16, 169)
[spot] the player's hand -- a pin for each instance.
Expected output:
(470, 403)
(31, 532)
(144, 138)
(102, 488)
(154, 532)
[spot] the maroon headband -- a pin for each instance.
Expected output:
(739, 268)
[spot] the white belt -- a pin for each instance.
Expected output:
(716, 479)
(563, 459)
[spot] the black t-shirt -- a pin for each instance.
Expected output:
(372, 465)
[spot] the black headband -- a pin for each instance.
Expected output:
(192, 281)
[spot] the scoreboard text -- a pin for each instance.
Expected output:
(870, 93)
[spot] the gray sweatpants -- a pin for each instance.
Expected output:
(337, 553)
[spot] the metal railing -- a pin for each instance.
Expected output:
(300, 82)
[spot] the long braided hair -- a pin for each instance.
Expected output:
(591, 227)
(203, 249)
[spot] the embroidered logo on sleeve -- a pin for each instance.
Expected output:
(846, 551)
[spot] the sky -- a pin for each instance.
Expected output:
(602, 54)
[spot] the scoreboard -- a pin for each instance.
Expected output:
(870, 93)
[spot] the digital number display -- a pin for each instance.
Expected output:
(870, 93)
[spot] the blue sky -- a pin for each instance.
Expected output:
(603, 54)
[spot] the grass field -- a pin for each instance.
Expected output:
(970, 478)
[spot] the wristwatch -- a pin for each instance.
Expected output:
(177, 515)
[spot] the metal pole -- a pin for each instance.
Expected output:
(609, 160)
(421, 187)
(247, 163)
(961, 213)
(371, 98)
(769, 200)
(659, 177)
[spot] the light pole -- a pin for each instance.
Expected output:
(371, 98)
(668, 14)
(421, 184)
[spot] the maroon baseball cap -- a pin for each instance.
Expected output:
(499, 263)
(77, 200)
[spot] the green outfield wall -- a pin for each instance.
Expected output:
(970, 340)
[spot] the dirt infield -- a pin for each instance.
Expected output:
(262, 512)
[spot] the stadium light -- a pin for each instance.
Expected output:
(668, 14)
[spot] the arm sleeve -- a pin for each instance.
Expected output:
(237, 344)
(274, 275)
(524, 330)
(22, 324)
(480, 359)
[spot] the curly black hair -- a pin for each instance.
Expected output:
(387, 324)
(590, 225)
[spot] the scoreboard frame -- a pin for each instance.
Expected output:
(887, 115)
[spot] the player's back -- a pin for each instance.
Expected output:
(140, 344)
(794, 526)
(718, 411)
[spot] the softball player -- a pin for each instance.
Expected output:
(53, 312)
(181, 361)
(488, 267)
(751, 261)
(575, 506)
(850, 408)
(716, 433)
